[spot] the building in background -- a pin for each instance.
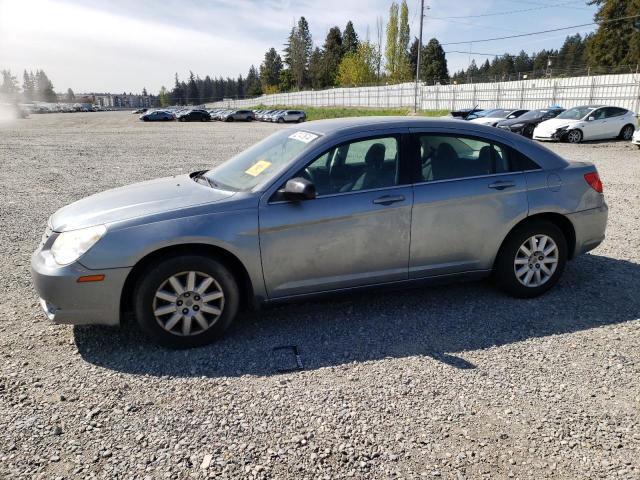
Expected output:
(109, 100)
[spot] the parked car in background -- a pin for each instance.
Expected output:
(465, 112)
(339, 205)
(589, 122)
(237, 115)
(526, 123)
(493, 117)
(289, 116)
(140, 110)
(636, 138)
(157, 116)
(194, 115)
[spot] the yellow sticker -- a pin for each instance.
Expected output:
(257, 168)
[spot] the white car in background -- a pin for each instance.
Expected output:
(636, 138)
(495, 116)
(589, 122)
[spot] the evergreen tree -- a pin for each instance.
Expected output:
(298, 51)
(71, 97)
(331, 55)
(193, 95)
(350, 38)
(28, 86)
(413, 55)
(207, 90)
(144, 92)
(240, 87)
(270, 69)
(9, 83)
(317, 69)
(615, 43)
(433, 65)
(178, 94)
(253, 86)
(44, 87)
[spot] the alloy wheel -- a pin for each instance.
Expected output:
(536, 261)
(188, 303)
(627, 133)
(574, 136)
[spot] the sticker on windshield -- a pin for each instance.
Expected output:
(257, 168)
(304, 137)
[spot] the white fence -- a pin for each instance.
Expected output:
(619, 90)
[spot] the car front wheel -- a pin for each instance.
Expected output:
(574, 136)
(627, 132)
(532, 259)
(186, 301)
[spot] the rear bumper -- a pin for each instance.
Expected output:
(590, 226)
(66, 301)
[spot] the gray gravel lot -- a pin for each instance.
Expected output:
(453, 382)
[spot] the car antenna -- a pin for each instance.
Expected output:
(472, 110)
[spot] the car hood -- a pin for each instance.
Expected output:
(513, 121)
(136, 200)
(486, 120)
(555, 123)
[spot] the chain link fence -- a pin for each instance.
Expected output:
(622, 90)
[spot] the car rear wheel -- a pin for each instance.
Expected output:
(186, 301)
(627, 132)
(531, 260)
(281, 120)
(528, 131)
(574, 136)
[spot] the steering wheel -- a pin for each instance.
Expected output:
(307, 175)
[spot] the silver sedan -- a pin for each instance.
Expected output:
(335, 206)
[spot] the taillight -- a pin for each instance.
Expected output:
(593, 179)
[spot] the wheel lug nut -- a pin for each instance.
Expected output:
(185, 310)
(196, 308)
(179, 303)
(187, 294)
(196, 298)
(540, 258)
(537, 265)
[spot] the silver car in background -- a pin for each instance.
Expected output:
(287, 116)
(332, 207)
(237, 116)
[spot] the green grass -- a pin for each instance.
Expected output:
(318, 113)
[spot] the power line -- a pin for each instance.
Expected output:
(507, 13)
(541, 32)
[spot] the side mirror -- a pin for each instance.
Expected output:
(591, 119)
(299, 189)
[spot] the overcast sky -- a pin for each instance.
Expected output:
(125, 45)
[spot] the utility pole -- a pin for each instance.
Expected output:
(415, 93)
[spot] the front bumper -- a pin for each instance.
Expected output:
(590, 226)
(66, 301)
(635, 140)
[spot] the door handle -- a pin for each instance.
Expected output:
(389, 199)
(501, 185)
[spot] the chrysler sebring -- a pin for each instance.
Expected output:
(332, 207)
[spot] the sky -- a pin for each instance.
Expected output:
(125, 45)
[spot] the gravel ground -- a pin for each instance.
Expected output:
(453, 382)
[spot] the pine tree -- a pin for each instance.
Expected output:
(71, 97)
(615, 43)
(433, 65)
(350, 38)
(317, 70)
(253, 86)
(28, 86)
(9, 85)
(270, 69)
(331, 56)
(193, 95)
(44, 88)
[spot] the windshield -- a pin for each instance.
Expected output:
(497, 113)
(532, 114)
(576, 113)
(261, 162)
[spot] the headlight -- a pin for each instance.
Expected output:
(517, 125)
(70, 246)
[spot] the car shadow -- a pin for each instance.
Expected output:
(438, 322)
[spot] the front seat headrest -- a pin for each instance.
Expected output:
(375, 155)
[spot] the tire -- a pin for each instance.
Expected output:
(528, 131)
(280, 120)
(573, 136)
(156, 280)
(627, 132)
(300, 120)
(511, 259)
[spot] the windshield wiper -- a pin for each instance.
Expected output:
(197, 176)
